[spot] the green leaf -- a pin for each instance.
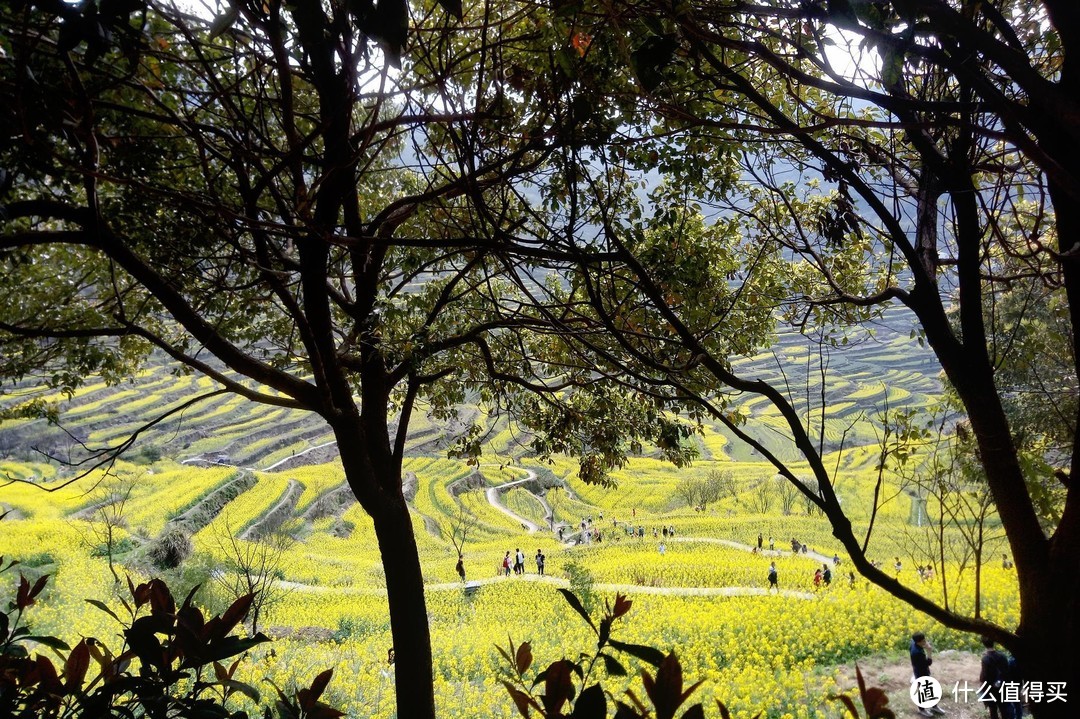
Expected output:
(574, 602)
(649, 60)
(644, 653)
(454, 8)
(224, 21)
(104, 607)
(52, 642)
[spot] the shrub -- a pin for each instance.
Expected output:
(181, 658)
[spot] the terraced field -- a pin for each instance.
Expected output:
(225, 472)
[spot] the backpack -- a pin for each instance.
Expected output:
(996, 667)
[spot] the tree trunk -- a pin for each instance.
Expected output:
(1049, 653)
(413, 678)
(377, 486)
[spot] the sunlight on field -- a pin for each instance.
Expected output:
(704, 594)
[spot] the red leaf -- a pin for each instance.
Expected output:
(847, 703)
(521, 700)
(622, 606)
(524, 658)
(232, 616)
(580, 42)
(140, 594)
(558, 686)
(39, 585)
(161, 599)
(25, 595)
(319, 683)
(75, 667)
(667, 691)
(22, 596)
(45, 673)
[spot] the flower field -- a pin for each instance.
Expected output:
(704, 595)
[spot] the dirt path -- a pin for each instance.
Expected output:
(301, 453)
(557, 582)
(893, 674)
(492, 494)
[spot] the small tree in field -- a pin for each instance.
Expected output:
(252, 567)
(105, 517)
(689, 489)
(787, 493)
(761, 496)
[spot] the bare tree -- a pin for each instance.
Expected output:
(689, 488)
(761, 496)
(787, 493)
(252, 567)
(105, 517)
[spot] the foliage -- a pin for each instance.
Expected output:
(874, 701)
(560, 697)
(664, 690)
(582, 583)
(173, 663)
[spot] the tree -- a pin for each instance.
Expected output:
(762, 498)
(718, 484)
(787, 493)
(689, 489)
(458, 526)
(260, 198)
(105, 517)
(251, 567)
(935, 168)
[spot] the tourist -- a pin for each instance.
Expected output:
(920, 651)
(994, 667)
(826, 575)
(898, 566)
(759, 540)
(506, 564)
(460, 567)
(540, 562)
(773, 578)
(817, 577)
(519, 561)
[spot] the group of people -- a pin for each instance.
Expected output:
(995, 672)
(517, 563)
(823, 575)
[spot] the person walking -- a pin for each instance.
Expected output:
(519, 561)
(994, 667)
(826, 574)
(920, 651)
(506, 564)
(773, 584)
(540, 562)
(759, 541)
(460, 567)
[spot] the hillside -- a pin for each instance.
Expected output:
(227, 477)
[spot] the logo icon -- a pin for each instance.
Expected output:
(925, 692)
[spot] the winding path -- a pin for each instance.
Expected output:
(558, 582)
(492, 494)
